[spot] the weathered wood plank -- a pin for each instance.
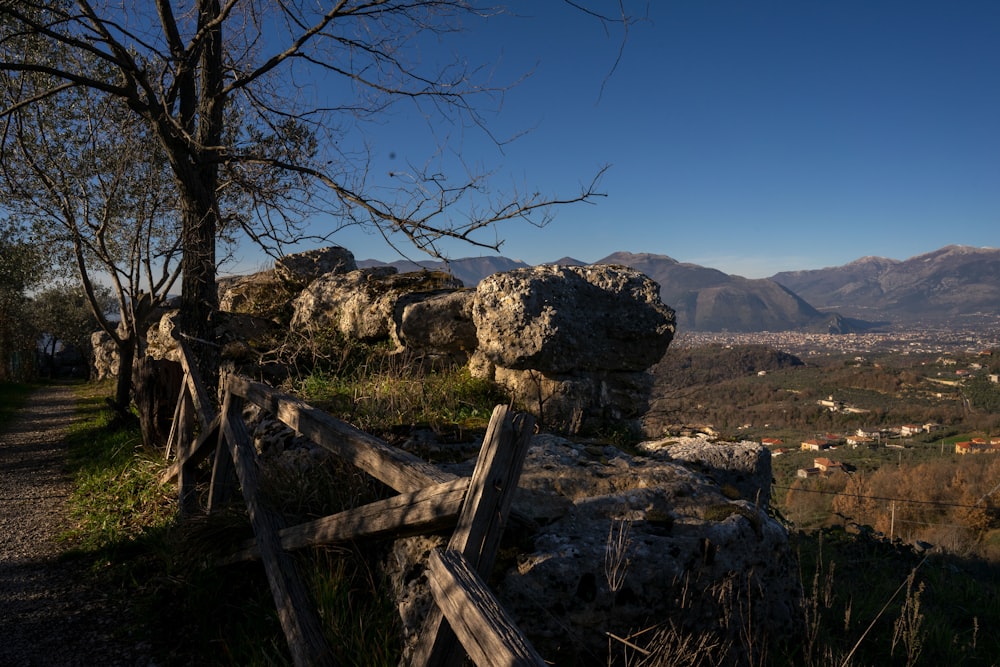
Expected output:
(223, 481)
(487, 632)
(198, 452)
(174, 437)
(295, 611)
(424, 511)
(481, 522)
(398, 469)
(185, 468)
(196, 388)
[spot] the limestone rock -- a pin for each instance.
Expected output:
(260, 294)
(619, 543)
(560, 319)
(737, 466)
(161, 338)
(300, 269)
(104, 356)
(436, 323)
(572, 344)
(361, 304)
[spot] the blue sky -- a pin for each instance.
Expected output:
(751, 137)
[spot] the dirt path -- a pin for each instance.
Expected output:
(49, 615)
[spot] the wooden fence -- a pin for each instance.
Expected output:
(466, 615)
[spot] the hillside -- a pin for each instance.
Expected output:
(709, 300)
(949, 283)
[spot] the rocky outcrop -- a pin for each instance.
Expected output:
(104, 356)
(609, 542)
(260, 294)
(436, 324)
(572, 343)
(361, 304)
(300, 269)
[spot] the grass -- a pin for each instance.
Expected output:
(389, 391)
(163, 572)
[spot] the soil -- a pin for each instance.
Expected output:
(52, 612)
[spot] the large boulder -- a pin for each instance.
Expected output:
(261, 294)
(300, 269)
(436, 324)
(607, 542)
(562, 319)
(361, 304)
(572, 343)
(104, 356)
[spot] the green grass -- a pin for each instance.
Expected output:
(391, 393)
(117, 496)
(163, 571)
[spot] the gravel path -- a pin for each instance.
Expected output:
(49, 614)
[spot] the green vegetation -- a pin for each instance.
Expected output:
(379, 391)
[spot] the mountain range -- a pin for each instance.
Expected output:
(952, 285)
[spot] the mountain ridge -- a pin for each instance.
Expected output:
(869, 292)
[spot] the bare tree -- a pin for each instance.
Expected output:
(95, 187)
(271, 100)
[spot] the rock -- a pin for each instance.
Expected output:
(361, 304)
(572, 344)
(260, 294)
(161, 338)
(620, 543)
(104, 356)
(739, 467)
(436, 324)
(562, 319)
(300, 269)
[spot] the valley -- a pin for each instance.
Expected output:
(864, 429)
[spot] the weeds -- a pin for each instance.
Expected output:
(616, 553)
(384, 391)
(908, 631)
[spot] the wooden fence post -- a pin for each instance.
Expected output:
(300, 623)
(489, 636)
(481, 522)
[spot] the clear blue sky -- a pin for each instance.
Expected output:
(751, 137)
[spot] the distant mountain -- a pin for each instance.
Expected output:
(952, 282)
(709, 300)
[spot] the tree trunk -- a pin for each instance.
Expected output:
(157, 386)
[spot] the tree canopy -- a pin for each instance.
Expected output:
(263, 112)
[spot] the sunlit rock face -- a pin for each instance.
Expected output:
(572, 343)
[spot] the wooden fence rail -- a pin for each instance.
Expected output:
(466, 615)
